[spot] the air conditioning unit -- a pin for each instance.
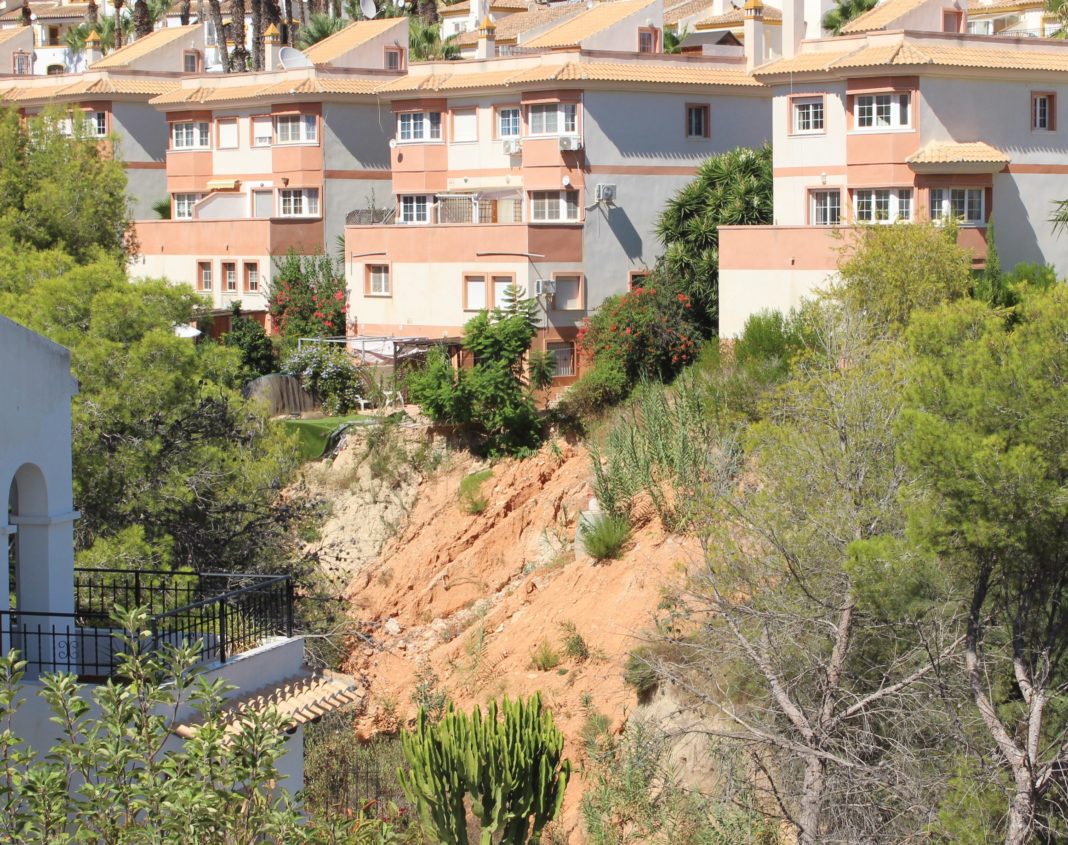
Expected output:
(570, 142)
(605, 192)
(513, 146)
(545, 287)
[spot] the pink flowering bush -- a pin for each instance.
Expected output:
(308, 297)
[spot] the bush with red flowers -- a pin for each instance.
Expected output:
(308, 297)
(649, 332)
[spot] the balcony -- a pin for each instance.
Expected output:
(239, 237)
(227, 613)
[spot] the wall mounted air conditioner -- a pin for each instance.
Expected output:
(545, 287)
(570, 142)
(605, 192)
(513, 146)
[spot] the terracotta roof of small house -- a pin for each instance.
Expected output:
(15, 12)
(881, 16)
(510, 27)
(69, 89)
(143, 46)
(735, 18)
(352, 36)
(464, 6)
(301, 699)
(209, 91)
(587, 23)
(975, 152)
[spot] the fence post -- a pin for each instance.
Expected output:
(137, 588)
(222, 630)
(289, 606)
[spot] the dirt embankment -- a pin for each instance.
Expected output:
(471, 597)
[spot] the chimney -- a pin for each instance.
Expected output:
(755, 37)
(272, 48)
(793, 27)
(487, 39)
(93, 52)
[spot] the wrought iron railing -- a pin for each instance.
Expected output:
(226, 613)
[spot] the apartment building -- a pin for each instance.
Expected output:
(114, 95)
(907, 117)
(258, 164)
(57, 615)
(546, 169)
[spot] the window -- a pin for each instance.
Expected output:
(1044, 112)
(552, 119)
(55, 70)
(97, 123)
(826, 208)
(501, 284)
(204, 274)
(378, 280)
(191, 61)
(183, 205)
(648, 40)
(262, 203)
(296, 128)
(252, 276)
(414, 209)
(302, 202)
(190, 135)
(884, 205)
(419, 126)
(808, 115)
(951, 21)
(394, 58)
(465, 125)
(697, 122)
(884, 111)
(568, 296)
(563, 359)
(554, 205)
(474, 293)
(963, 204)
(23, 64)
(262, 131)
(508, 123)
(637, 278)
(227, 134)
(229, 274)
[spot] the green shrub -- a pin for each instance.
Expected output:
(544, 657)
(257, 351)
(600, 387)
(604, 536)
(471, 499)
(162, 208)
(329, 374)
(640, 674)
(769, 337)
(575, 645)
(307, 297)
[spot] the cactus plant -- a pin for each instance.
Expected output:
(507, 763)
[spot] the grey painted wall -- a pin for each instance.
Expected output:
(142, 133)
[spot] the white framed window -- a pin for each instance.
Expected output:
(554, 205)
(23, 64)
(394, 58)
(965, 205)
(190, 135)
(262, 131)
(807, 115)
(553, 119)
(252, 276)
(697, 121)
(501, 285)
(882, 205)
(378, 280)
(228, 134)
(296, 128)
(883, 111)
(563, 359)
(204, 274)
(97, 123)
(568, 295)
(1044, 112)
(299, 202)
(229, 273)
(419, 126)
(508, 123)
(465, 125)
(414, 209)
(826, 208)
(474, 293)
(183, 205)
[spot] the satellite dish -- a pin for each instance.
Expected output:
(368, 8)
(290, 57)
(392, 143)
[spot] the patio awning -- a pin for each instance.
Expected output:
(973, 157)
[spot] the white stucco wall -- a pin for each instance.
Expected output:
(745, 292)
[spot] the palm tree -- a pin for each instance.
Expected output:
(91, 13)
(256, 9)
(75, 37)
(426, 44)
(183, 12)
(1059, 218)
(673, 39)
(1059, 9)
(112, 34)
(141, 19)
(220, 34)
(318, 28)
(844, 12)
(240, 57)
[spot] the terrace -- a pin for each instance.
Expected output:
(228, 613)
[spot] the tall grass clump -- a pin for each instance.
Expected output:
(605, 535)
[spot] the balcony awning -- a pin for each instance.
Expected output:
(302, 698)
(223, 184)
(942, 157)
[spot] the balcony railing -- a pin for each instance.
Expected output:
(227, 613)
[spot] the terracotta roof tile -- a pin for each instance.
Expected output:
(349, 38)
(15, 12)
(588, 23)
(144, 46)
(736, 17)
(510, 27)
(464, 6)
(675, 12)
(74, 87)
(802, 63)
(11, 32)
(975, 152)
(881, 16)
(215, 93)
(301, 699)
(981, 7)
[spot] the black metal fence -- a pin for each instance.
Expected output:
(367, 788)
(227, 613)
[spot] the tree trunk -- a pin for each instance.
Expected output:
(1021, 816)
(808, 820)
(296, 13)
(256, 7)
(118, 22)
(428, 11)
(91, 13)
(220, 34)
(183, 12)
(241, 55)
(142, 21)
(27, 15)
